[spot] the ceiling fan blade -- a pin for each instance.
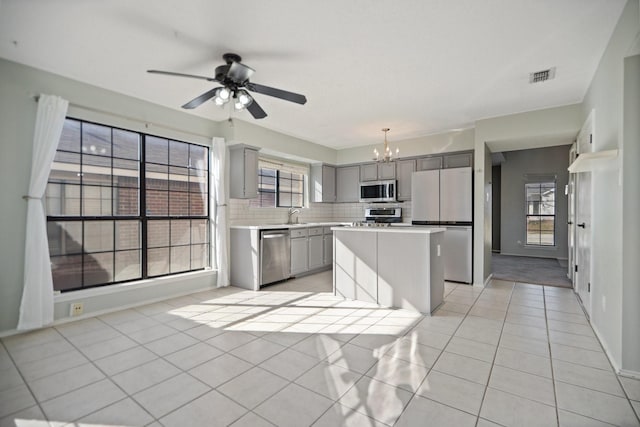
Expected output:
(278, 93)
(256, 110)
(171, 73)
(201, 99)
(239, 73)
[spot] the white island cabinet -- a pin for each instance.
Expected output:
(393, 267)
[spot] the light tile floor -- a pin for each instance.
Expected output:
(511, 354)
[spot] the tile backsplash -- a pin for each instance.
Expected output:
(240, 213)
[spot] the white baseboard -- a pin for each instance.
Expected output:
(108, 310)
(485, 283)
(630, 374)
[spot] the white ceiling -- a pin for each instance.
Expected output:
(416, 66)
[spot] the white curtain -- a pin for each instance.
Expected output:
(218, 168)
(36, 308)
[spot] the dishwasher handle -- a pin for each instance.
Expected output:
(273, 236)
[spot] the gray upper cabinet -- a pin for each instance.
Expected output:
(348, 184)
(323, 183)
(429, 163)
(404, 169)
(377, 171)
(464, 160)
(243, 167)
(387, 170)
(369, 172)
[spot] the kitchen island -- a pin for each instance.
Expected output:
(392, 266)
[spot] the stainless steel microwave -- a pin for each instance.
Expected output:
(378, 191)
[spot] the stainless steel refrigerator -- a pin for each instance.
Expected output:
(444, 198)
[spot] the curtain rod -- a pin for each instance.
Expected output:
(146, 123)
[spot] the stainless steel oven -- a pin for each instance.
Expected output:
(378, 191)
(380, 214)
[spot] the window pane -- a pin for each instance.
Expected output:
(178, 203)
(62, 200)
(178, 179)
(98, 236)
(127, 235)
(284, 185)
(296, 200)
(66, 272)
(70, 138)
(98, 268)
(533, 230)
(96, 139)
(64, 237)
(178, 153)
(128, 266)
(198, 155)
(199, 256)
(65, 168)
(157, 233)
(126, 144)
(180, 259)
(197, 205)
(157, 203)
(125, 201)
(199, 231)
(96, 170)
(284, 199)
(157, 177)
(180, 232)
(156, 150)
(547, 231)
(158, 261)
(96, 201)
(126, 173)
(198, 182)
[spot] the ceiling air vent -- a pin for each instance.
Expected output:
(542, 76)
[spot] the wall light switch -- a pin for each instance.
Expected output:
(438, 250)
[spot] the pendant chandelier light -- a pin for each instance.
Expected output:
(387, 155)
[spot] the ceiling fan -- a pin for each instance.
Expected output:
(234, 78)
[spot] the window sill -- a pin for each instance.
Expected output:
(546, 248)
(129, 286)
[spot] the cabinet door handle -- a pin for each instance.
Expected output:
(582, 225)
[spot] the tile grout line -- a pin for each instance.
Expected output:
(553, 375)
(495, 354)
(26, 384)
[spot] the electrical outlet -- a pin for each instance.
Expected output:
(76, 309)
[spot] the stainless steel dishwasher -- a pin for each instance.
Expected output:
(275, 255)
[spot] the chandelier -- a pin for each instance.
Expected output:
(387, 155)
(241, 98)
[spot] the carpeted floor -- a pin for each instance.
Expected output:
(543, 271)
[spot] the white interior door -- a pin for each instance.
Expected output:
(571, 219)
(583, 220)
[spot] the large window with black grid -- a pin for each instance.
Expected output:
(123, 206)
(280, 184)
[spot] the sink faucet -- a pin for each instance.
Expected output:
(291, 212)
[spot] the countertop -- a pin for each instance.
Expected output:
(416, 229)
(300, 225)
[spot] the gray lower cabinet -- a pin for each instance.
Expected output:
(327, 257)
(299, 251)
(404, 169)
(348, 184)
(316, 251)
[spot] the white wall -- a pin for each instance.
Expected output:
(605, 96)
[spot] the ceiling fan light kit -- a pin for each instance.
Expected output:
(234, 78)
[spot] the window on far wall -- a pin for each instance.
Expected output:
(540, 213)
(280, 185)
(113, 217)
